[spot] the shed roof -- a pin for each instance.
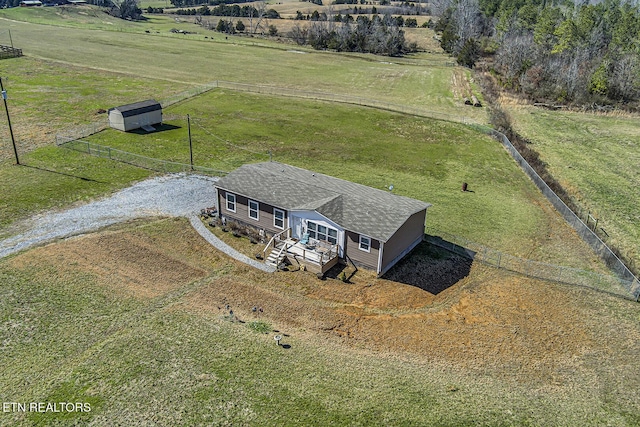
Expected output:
(138, 108)
(356, 207)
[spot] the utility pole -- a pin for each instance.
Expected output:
(190, 145)
(13, 140)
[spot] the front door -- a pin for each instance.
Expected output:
(296, 227)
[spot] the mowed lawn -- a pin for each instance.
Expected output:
(422, 158)
(46, 98)
(596, 158)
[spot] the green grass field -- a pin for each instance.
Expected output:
(98, 330)
(45, 98)
(596, 158)
(52, 178)
(424, 159)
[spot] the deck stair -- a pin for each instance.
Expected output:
(276, 257)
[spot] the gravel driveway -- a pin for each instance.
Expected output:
(170, 195)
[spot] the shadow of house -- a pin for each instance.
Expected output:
(431, 268)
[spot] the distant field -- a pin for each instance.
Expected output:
(596, 158)
(423, 80)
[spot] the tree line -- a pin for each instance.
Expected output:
(380, 35)
(184, 3)
(233, 11)
(549, 50)
(349, 19)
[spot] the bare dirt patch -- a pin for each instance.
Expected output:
(131, 263)
(489, 321)
(460, 85)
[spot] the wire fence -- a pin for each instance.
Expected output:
(627, 288)
(150, 163)
(583, 230)
(84, 131)
(190, 93)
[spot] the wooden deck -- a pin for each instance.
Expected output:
(316, 258)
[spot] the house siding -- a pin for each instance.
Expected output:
(265, 214)
(359, 257)
(410, 232)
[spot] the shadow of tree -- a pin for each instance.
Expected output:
(430, 268)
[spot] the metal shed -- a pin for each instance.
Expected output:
(142, 114)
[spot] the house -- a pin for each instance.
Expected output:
(142, 114)
(320, 220)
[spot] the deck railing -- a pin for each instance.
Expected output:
(273, 240)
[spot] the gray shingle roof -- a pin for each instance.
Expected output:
(138, 108)
(355, 207)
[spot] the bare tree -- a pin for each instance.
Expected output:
(439, 6)
(468, 19)
(260, 12)
(625, 79)
(299, 34)
(517, 53)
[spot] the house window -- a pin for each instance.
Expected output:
(253, 210)
(365, 243)
(278, 218)
(231, 202)
(321, 232)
